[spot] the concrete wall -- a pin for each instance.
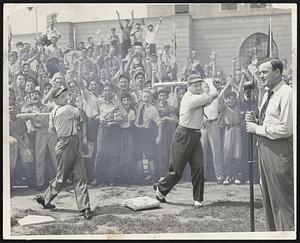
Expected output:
(156, 10)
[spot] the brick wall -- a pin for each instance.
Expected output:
(66, 31)
(226, 35)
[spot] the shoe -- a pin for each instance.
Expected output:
(198, 204)
(158, 194)
(40, 200)
(226, 181)
(237, 182)
(87, 213)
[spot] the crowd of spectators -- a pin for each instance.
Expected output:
(126, 121)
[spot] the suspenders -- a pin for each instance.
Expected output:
(72, 127)
(54, 116)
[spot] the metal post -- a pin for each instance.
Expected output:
(36, 21)
(250, 162)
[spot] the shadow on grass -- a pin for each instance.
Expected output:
(112, 209)
(221, 216)
(257, 204)
(180, 204)
(16, 192)
(64, 210)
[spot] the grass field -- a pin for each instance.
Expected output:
(226, 209)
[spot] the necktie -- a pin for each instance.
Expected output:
(264, 108)
(141, 115)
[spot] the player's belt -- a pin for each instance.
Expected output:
(190, 129)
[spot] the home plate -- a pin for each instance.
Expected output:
(35, 219)
(140, 203)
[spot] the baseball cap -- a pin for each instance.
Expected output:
(193, 78)
(20, 43)
(57, 91)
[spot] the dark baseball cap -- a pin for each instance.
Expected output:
(194, 78)
(57, 91)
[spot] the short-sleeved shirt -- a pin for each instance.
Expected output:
(191, 110)
(64, 120)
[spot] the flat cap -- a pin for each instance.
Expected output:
(20, 43)
(57, 91)
(193, 78)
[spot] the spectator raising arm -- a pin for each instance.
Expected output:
(158, 24)
(118, 14)
(132, 18)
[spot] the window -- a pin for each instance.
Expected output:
(256, 44)
(181, 9)
(228, 6)
(258, 5)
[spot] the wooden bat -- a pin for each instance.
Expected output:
(168, 84)
(223, 90)
(23, 115)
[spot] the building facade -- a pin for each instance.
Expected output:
(230, 29)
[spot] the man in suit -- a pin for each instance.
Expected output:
(274, 129)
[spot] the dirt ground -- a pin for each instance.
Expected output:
(226, 209)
